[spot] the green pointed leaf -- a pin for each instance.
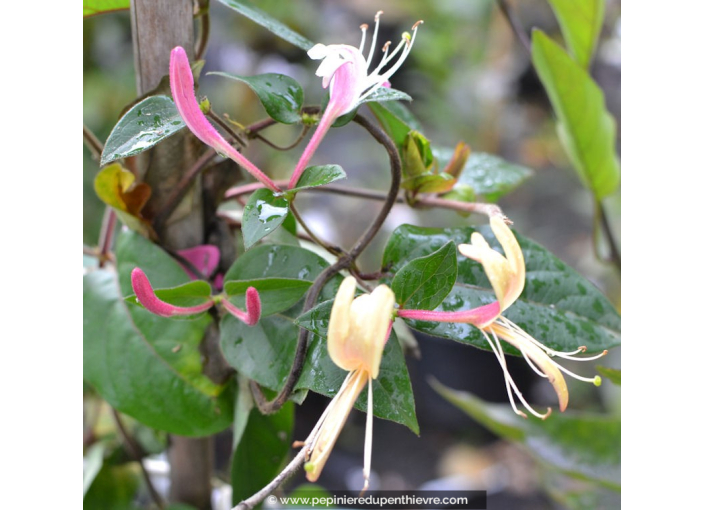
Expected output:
(612, 374)
(262, 215)
(386, 94)
(488, 175)
(265, 352)
(281, 96)
(276, 294)
(94, 7)
(585, 127)
(263, 19)
(318, 176)
(429, 183)
(396, 120)
(114, 488)
(146, 366)
(580, 22)
(558, 307)
(424, 282)
(584, 445)
(261, 451)
(186, 295)
(145, 124)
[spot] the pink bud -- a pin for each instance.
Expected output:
(145, 295)
(182, 90)
(253, 308)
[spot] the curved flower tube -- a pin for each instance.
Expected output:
(507, 277)
(358, 330)
(146, 296)
(253, 311)
(346, 71)
(182, 90)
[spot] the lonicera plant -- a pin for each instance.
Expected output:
(286, 321)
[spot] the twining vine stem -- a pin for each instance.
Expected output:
(515, 25)
(345, 261)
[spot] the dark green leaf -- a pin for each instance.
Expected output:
(424, 282)
(558, 307)
(93, 7)
(263, 213)
(265, 353)
(612, 374)
(146, 366)
(580, 21)
(395, 119)
(489, 176)
(319, 176)
(386, 94)
(263, 19)
(114, 488)
(585, 127)
(276, 294)
(145, 124)
(189, 294)
(261, 451)
(583, 445)
(281, 96)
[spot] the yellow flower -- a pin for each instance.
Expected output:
(357, 333)
(507, 276)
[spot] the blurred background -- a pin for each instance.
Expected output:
(471, 81)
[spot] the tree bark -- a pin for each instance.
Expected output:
(157, 27)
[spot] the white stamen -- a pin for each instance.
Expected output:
(368, 439)
(578, 377)
(507, 376)
(531, 365)
(376, 32)
(364, 28)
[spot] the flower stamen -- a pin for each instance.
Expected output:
(364, 28)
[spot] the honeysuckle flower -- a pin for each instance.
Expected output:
(183, 92)
(358, 330)
(507, 277)
(205, 258)
(144, 292)
(346, 71)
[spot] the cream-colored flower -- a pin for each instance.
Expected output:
(357, 333)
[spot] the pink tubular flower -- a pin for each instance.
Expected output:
(253, 309)
(145, 295)
(345, 70)
(182, 90)
(507, 276)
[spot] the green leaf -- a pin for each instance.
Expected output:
(263, 213)
(386, 94)
(189, 294)
(580, 21)
(395, 119)
(489, 176)
(261, 451)
(558, 307)
(263, 19)
(583, 445)
(612, 374)
(424, 282)
(145, 124)
(92, 464)
(114, 488)
(318, 176)
(146, 366)
(281, 96)
(429, 183)
(276, 294)
(585, 127)
(265, 352)
(93, 7)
